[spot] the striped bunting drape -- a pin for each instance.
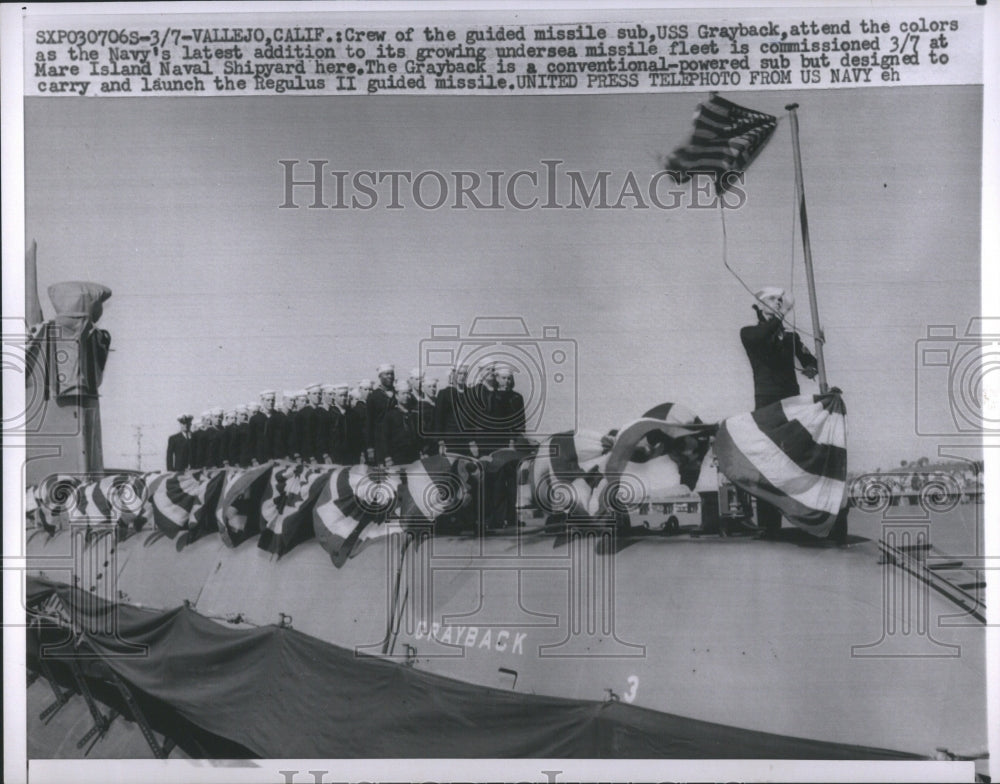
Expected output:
(238, 513)
(358, 505)
(726, 138)
(792, 453)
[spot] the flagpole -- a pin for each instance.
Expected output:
(800, 191)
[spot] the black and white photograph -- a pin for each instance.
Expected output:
(569, 393)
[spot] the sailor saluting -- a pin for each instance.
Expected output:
(772, 349)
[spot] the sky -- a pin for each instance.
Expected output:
(218, 293)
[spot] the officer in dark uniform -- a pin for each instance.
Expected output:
(379, 402)
(772, 351)
(399, 441)
(179, 446)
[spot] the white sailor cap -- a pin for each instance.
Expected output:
(268, 393)
(289, 394)
(217, 411)
(311, 387)
(366, 383)
(328, 387)
(769, 291)
(300, 393)
(503, 367)
(338, 387)
(786, 301)
(240, 407)
(402, 386)
(386, 367)
(416, 373)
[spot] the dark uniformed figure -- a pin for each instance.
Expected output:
(342, 449)
(507, 410)
(230, 440)
(356, 421)
(379, 403)
(427, 415)
(323, 425)
(481, 403)
(416, 383)
(399, 441)
(179, 446)
(198, 438)
(297, 441)
(261, 432)
(306, 433)
(279, 428)
(243, 454)
(213, 454)
(451, 411)
(772, 352)
(507, 426)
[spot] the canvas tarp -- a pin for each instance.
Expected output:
(283, 694)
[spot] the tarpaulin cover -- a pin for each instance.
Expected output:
(283, 694)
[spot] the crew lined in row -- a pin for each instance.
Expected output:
(393, 422)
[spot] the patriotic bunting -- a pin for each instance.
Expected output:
(792, 453)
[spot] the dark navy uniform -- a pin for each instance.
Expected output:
(354, 432)
(449, 417)
(398, 436)
(276, 435)
(379, 403)
(179, 452)
(322, 433)
(772, 352)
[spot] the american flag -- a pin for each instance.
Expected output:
(726, 138)
(792, 453)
